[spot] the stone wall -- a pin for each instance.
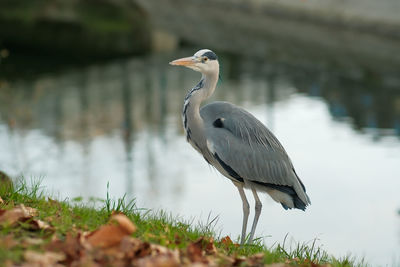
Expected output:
(292, 30)
(381, 11)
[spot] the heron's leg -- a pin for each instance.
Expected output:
(246, 211)
(256, 216)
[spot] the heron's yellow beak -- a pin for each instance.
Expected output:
(186, 61)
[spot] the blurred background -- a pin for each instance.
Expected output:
(87, 97)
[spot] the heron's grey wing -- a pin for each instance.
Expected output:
(246, 146)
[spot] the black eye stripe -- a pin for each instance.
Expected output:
(210, 55)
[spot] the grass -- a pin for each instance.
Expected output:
(154, 227)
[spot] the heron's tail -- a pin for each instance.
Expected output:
(297, 203)
(290, 197)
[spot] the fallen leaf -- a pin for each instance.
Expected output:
(8, 242)
(226, 241)
(177, 238)
(130, 247)
(210, 247)
(158, 249)
(143, 250)
(238, 261)
(225, 260)
(200, 264)
(129, 243)
(111, 234)
(162, 260)
(18, 213)
(32, 241)
(71, 247)
(48, 258)
(31, 211)
(195, 251)
(40, 225)
(86, 261)
(255, 260)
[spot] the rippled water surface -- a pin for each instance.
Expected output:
(120, 122)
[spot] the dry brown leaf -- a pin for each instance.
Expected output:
(8, 242)
(71, 247)
(227, 241)
(21, 213)
(199, 264)
(48, 258)
(30, 211)
(18, 213)
(255, 260)
(195, 251)
(177, 239)
(161, 260)
(210, 247)
(130, 246)
(85, 261)
(40, 225)
(158, 249)
(133, 248)
(224, 259)
(143, 250)
(239, 260)
(111, 234)
(32, 241)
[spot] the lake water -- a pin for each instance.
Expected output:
(120, 122)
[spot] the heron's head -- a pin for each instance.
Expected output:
(204, 61)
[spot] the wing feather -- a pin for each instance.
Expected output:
(248, 147)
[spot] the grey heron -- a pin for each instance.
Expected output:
(237, 144)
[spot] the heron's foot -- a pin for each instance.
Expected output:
(245, 240)
(250, 241)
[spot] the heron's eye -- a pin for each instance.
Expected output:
(205, 59)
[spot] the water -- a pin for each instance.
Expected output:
(120, 122)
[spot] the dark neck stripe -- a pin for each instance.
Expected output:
(187, 104)
(185, 107)
(197, 87)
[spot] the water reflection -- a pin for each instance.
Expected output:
(367, 101)
(121, 122)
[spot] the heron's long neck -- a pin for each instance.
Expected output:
(192, 121)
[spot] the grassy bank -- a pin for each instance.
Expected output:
(69, 233)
